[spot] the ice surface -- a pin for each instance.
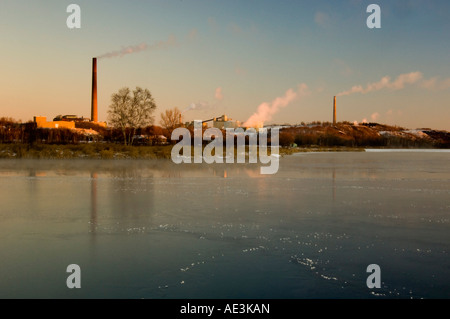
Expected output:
(144, 229)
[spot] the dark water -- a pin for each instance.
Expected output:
(152, 229)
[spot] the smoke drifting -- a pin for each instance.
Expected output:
(198, 106)
(436, 84)
(218, 95)
(386, 83)
(171, 41)
(266, 110)
(375, 116)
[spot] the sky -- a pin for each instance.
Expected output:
(279, 61)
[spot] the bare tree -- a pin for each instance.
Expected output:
(131, 110)
(170, 120)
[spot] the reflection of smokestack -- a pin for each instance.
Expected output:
(334, 111)
(94, 115)
(334, 183)
(93, 220)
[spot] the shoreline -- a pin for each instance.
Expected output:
(100, 151)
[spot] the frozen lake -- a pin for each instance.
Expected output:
(153, 229)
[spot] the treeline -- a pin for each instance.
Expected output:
(12, 131)
(314, 134)
(364, 135)
(330, 136)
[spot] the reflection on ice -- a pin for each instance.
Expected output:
(153, 229)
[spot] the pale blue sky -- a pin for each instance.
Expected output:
(254, 50)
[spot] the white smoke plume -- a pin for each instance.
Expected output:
(197, 106)
(386, 83)
(218, 95)
(436, 84)
(375, 116)
(266, 110)
(170, 42)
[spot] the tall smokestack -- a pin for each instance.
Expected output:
(94, 114)
(334, 111)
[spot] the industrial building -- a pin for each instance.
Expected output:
(70, 118)
(41, 122)
(68, 121)
(223, 122)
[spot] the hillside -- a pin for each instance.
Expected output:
(363, 135)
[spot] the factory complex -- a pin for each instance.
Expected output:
(222, 122)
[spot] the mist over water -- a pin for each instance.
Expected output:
(153, 229)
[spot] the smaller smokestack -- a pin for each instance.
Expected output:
(181, 121)
(94, 114)
(334, 111)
